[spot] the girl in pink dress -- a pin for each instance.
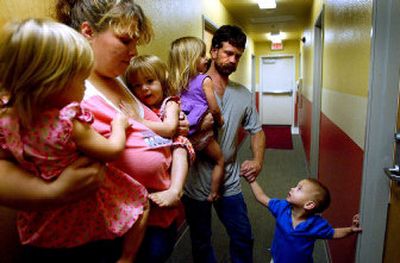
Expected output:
(43, 127)
(146, 77)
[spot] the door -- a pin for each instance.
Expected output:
(380, 222)
(277, 85)
(392, 240)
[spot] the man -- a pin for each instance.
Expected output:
(238, 109)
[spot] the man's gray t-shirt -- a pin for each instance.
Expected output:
(238, 109)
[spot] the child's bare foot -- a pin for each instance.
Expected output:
(166, 198)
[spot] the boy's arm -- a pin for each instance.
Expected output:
(212, 101)
(259, 194)
(95, 145)
(168, 127)
(346, 231)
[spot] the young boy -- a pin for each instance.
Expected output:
(298, 224)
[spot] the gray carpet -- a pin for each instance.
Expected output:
(282, 169)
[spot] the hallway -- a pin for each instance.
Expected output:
(282, 169)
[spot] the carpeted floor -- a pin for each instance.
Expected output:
(282, 170)
(278, 137)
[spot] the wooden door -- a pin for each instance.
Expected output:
(392, 239)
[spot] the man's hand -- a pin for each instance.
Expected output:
(183, 125)
(250, 170)
(207, 122)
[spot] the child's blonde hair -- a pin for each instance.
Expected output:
(38, 59)
(122, 16)
(184, 56)
(149, 67)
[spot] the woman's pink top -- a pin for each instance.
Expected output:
(147, 156)
(46, 149)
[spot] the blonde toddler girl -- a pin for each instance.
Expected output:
(187, 59)
(43, 67)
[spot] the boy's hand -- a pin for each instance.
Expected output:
(355, 226)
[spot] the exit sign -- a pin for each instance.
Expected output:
(276, 46)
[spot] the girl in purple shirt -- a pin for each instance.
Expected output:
(186, 62)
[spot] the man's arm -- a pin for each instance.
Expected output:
(251, 168)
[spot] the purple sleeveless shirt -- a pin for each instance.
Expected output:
(194, 103)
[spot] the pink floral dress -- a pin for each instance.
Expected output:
(45, 149)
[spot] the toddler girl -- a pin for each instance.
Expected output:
(187, 59)
(146, 77)
(43, 66)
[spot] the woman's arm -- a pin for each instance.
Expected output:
(97, 146)
(21, 190)
(208, 89)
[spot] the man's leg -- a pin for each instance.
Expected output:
(232, 211)
(157, 245)
(198, 216)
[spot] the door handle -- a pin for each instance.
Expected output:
(393, 173)
(278, 92)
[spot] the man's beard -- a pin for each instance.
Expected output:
(225, 70)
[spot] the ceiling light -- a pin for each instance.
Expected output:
(266, 4)
(275, 37)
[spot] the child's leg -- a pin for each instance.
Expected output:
(133, 238)
(217, 177)
(179, 170)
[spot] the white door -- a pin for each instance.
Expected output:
(277, 85)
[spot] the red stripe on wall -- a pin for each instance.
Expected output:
(340, 169)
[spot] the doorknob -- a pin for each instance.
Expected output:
(393, 173)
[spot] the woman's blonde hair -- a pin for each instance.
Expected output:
(184, 56)
(38, 59)
(149, 67)
(122, 16)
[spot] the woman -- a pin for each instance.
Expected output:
(114, 28)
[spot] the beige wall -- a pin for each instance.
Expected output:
(177, 18)
(346, 57)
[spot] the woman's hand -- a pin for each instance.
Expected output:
(78, 180)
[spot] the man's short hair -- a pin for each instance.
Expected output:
(234, 35)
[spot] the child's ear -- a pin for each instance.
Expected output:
(86, 30)
(310, 205)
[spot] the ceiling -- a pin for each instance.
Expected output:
(289, 17)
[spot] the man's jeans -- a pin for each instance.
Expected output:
(232, 212)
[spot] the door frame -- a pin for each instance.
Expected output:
(381, 124)
(317, 88)
(293, 57)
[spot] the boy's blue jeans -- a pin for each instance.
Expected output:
(232, 212)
